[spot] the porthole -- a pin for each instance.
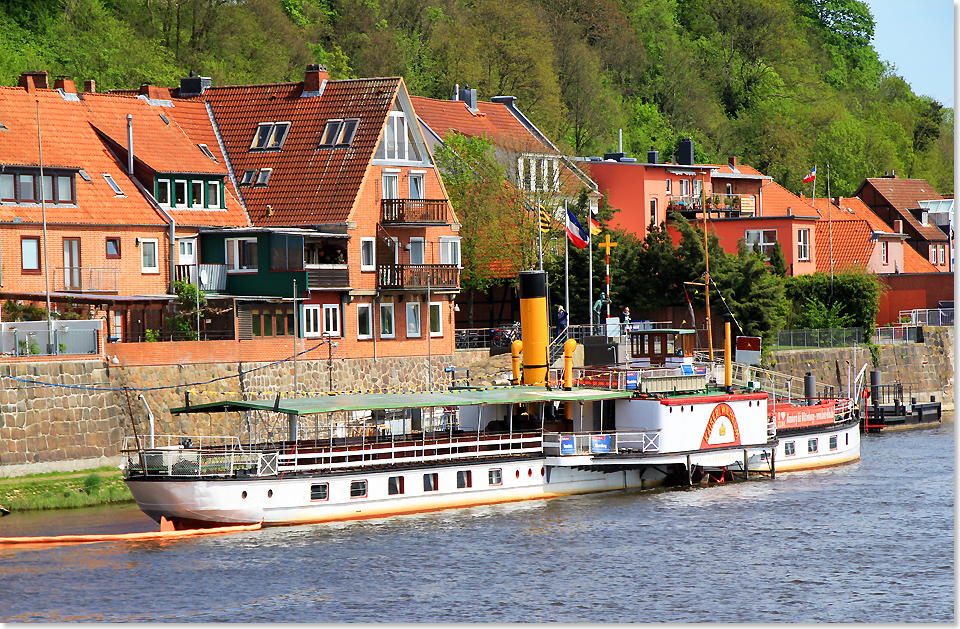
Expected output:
(518, 473)
(529, 473)
(269, 493)
(541, 471)
(671, 409)
(244, 495)
(681, 409)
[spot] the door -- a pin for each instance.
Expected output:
(187, 259)
(71, 264)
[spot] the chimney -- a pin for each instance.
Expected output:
(65, 84)
(652, 156)
(456, 92)
(129, 144)
(315, 76)
(89, 85)
(732, 160)
(33, 81)
(686, 152)
(194, 85)
(898, 226)
(154, 92)
(469, 97)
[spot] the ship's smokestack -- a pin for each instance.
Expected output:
(534, 327)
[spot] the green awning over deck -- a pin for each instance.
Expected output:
(382, 401)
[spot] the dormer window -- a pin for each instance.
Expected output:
(339, 133)
(247, 178)
(270, 136)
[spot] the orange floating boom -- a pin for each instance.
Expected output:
(111, 537)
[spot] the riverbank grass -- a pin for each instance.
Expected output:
(64, 490)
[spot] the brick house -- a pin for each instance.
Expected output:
(90, 231)
(344, 199)
(534, 167)
(907, 200)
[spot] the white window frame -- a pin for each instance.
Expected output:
(450, 250)
(755, 239)
(413, 317)
(191, 201)
(417, 245)
(942, 254)
(331, 320)
(186, 193)
(113, 184)
(311, 318)
(385, 308)
(684, 187)
(394, 177)
(369, 333)
(270, 142)
(155, 244)
(803, 245)
(215, 201)
(169, 186)
(371, 245)
(187, 251)
(439, 306)
(669, 186)
(884, 252)
(234, 245)
(414, 191)
(31, 254)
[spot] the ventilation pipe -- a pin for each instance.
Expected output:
(130, 145)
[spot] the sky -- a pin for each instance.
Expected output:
(917, 36)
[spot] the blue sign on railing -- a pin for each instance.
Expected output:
(567, 446)
(631, 380)
(600, 444)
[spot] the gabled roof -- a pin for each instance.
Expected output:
(69, 142)
(778, 201)
(851, 209)
(308, 186)
(904, 195)
(89, 132)
(852, 247)
(492, 121)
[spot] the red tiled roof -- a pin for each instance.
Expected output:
(851, 209)
(68, 142)
(852, 247)
(913, 262)
(903, 195)
(778, 201)
(492, 121)
(307, 186)
(71, 140)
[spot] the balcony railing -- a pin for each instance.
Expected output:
(414, 211)
(328, 276)
(86, 279)
(418, 276)
(213, 277)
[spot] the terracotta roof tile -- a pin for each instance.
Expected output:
(903, 195)
(308, 186)
(913, 262)
(778, 201)
(492, 121)
(851, 245)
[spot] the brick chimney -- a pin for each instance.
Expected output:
(898, 226)
(732, 160)
(65, 84)
(315, 76)
(154, 92)
(89, 85)
(33, 81)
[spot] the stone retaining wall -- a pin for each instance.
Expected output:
(66, 416)
(927, 367)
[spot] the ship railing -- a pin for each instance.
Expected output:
(429, 450)
(194, 456)
(585, 443)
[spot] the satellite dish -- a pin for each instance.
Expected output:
(204, 276)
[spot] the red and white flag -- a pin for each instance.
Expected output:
(811, 176)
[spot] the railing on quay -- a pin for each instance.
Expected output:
(899, 334)
(939, 316)
(584, 443)
(61, 341)
(839, 337)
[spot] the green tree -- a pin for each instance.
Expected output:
(778, 262)
(852, 297)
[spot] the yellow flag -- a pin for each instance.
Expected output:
(545, 221)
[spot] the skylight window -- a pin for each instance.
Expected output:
(85, 176)
(207, 152)
(270, 135)
(113, 184)
(339, 133)
(263, 177)
(247, 177)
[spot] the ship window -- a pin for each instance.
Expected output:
(430, 482)
(833, 442)
(395, 485)
(495, 477)
(464, 479)
(848, 439)
(358, 489)
(788, 448)
(319, 492)
(811, 445)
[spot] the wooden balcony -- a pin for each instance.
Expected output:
(418, 276)
(328, 276)
(400, 211)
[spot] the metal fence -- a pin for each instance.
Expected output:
(60, 342)
(834, 337)
(940, 316)
(898, 334)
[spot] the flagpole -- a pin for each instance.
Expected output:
(590, 274)
(566, 264)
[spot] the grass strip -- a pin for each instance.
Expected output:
(64, 490)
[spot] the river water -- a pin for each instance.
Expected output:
(869, 542)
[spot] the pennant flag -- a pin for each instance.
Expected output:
(575, 231)
(811, 176)
(544, 220)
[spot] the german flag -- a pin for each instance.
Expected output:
(546, 221)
